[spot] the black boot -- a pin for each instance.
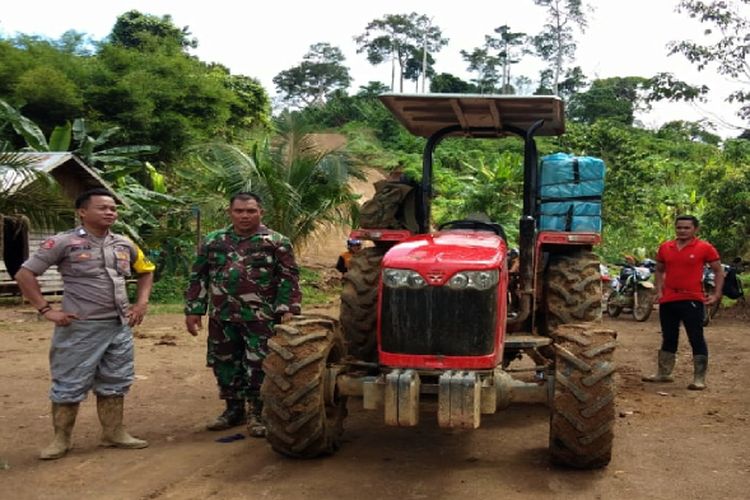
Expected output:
(233, 416)
(255, 426)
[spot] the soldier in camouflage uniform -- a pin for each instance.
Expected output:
(247, 278)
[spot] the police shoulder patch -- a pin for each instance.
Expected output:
(47, 244)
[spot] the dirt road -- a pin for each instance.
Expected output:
(670, 443)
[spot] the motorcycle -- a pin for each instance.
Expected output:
(633, 290)
(732, 286)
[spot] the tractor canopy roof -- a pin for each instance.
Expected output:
(480, 116)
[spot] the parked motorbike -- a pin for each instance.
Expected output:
(632, 290)
(732, 286)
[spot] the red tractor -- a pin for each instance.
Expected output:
(434, 319)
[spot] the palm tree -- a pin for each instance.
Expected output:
(22, 187)
(303, 185)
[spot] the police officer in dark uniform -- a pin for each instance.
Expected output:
(246, 278)
(92, 345)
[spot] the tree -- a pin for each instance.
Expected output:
(571, 84)
(418, 62)
(450, 84)
(303, 186)
(484, 66)
(320, 73)
(510, 47)
(142, 31)
(615, 99)
(556, 44)
(688, 131)
(726, 50)
(395, 38)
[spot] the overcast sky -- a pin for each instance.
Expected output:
(262, 38)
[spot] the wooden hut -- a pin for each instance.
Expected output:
(18, 235)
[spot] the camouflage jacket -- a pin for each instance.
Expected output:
(253, 278)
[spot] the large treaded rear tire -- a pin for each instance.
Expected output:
(359, 303)
(303, 414)
(583, 408)
(573, 289)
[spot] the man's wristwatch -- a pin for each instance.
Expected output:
(45, 309)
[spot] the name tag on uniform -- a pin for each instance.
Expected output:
(83, 256)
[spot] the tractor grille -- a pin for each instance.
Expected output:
(438, 320)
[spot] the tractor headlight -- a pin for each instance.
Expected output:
(478, 280)
(402, 278)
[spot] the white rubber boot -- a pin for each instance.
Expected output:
(63, 420)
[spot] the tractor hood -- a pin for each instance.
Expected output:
(439, 256)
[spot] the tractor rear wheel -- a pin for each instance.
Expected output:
(583, 407)
(573, 289)
(303, 412)
(359, 303)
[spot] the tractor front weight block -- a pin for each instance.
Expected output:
(462, 395)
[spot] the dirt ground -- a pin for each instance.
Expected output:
(670, 443)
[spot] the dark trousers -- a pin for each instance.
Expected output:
(236, 352)
(690, 314)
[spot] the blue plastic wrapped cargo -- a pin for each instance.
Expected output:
(570, 193)
(571, 216)
(565, 176)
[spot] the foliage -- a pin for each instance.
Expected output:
(450, 84)
(555, 44)
(484, 65)
(511, 46)
(170, 291)
(726, 182)
(302, 185)
(157, 95)
(312, 81)
(395, 38)
(615, 99)
(726, 50)
(135, 30)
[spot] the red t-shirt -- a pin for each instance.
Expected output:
(683, 269)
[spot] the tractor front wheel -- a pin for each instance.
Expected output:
(302, 410)
(359, 303)
(583, 407)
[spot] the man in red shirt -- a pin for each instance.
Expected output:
(679, 290)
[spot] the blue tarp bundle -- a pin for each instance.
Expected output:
(570, 192)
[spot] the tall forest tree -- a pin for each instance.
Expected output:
(320, 73)
(484, 65)
(136, 30)
(726, 45)
(510, 47)
(556, 43)
(396, 38)
(615, 99)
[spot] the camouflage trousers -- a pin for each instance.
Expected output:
(235, 353)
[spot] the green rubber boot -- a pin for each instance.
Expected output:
(666, 362)
(700, 365)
